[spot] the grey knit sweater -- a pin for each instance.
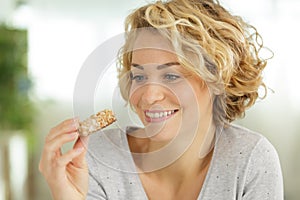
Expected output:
(244, 166)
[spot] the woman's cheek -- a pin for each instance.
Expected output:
(133, 97)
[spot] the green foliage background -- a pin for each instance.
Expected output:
(16, 108)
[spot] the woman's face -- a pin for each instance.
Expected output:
(167, 99)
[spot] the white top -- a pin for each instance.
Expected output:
(244, 166)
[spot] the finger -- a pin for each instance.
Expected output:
(52, 148)
(82, 142)
(67, 126)
(65, 159)
(55, 169)
(80, 161)
(52, 152)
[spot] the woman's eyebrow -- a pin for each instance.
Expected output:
(162, 66)
(167, 65)
(137, 66)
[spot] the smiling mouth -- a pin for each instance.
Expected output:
(158, 116)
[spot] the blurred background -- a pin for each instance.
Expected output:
(43, 44)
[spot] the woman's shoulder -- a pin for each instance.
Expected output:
(238, 137)
(108, 148)
(107, 141)
(247, 148)
(111, 167)
(257, 162)
(110, 138)
(247, 161)
(112, 134)
(235, 141)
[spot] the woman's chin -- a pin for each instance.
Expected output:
(160, 132)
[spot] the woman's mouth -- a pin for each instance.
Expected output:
(158, 116)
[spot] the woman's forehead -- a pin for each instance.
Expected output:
(153, 55)
(146, 39)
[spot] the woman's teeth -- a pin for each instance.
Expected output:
(159, 114)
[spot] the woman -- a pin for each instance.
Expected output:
(188, 69)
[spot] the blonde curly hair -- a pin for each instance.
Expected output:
(226, 49)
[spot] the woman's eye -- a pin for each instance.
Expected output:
(171, 77)
(137, 78)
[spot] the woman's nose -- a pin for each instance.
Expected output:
(152, 93)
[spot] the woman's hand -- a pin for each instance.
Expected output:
(66, 174)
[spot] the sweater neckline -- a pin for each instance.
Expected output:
(218, 134)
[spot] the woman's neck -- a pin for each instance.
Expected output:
(195, 158)
(190, 162)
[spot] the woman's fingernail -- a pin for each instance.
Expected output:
(73, 135)
(76, 119)
(75, 123)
